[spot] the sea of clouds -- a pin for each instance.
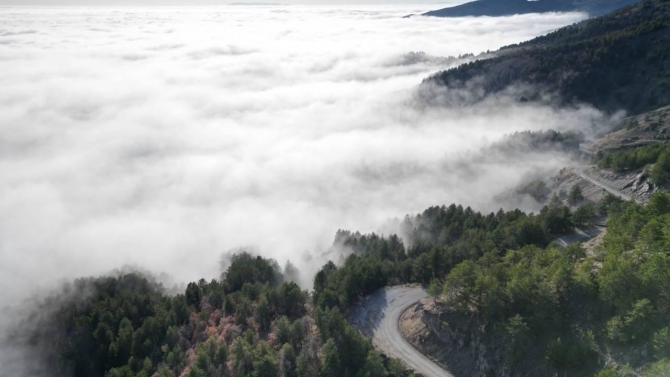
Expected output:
(162, 137)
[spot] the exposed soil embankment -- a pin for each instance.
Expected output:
(561, 183)
(420, 326)
(632, 183)
(596, 183)
(459, 342)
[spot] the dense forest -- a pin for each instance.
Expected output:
(619, 61)
(439, 239)
(656, 157)
(253, 322)
(248, 323)
(568, 310)
(576, 310)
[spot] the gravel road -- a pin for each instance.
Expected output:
(378, 317)
(581, 171)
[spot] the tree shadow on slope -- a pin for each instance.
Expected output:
(367, 316)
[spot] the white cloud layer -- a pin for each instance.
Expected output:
(162, 137)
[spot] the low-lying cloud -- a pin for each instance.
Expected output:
(162, 137)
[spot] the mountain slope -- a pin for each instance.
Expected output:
(617, 61)
(510, 7)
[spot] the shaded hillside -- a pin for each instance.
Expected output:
(511, 7)
(618, 61)
(501, 8)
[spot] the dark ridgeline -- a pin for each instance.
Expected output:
(510, 7)
(620, 61)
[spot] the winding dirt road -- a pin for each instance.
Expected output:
(581, 171)
(378, 317)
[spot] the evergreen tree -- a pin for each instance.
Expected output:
(331, 360)
(584, 214)
(575, 196)
(262, 314)
(660, 172)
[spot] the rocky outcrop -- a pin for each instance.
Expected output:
(464, 345)
(464, 353)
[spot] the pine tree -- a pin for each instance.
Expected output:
(575, 196)
(660, 173)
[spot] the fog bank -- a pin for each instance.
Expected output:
(162, 137)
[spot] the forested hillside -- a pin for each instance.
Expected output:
(543, 309)
(566, 310)
(252, 322)
(248, 323)
(441, 238)
(575, 312)
(619, 61)
(656, 157)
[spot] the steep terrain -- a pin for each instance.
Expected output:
(377, 317)
(636, 131)
(629, 181)
(556, 311)
(591, 311)
(455, 339)
(620, 61)
(510, 7)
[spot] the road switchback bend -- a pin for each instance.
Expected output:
(377, 317)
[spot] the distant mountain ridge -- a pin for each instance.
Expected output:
(510, 7)
(620, 61)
